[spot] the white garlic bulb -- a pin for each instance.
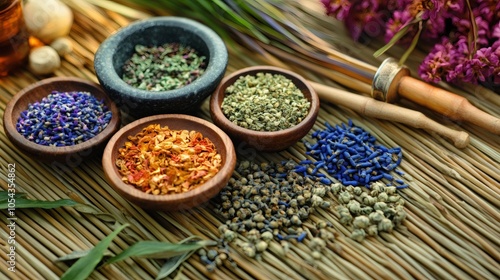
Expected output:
(47, 19)
(44, 60)
(62, 45)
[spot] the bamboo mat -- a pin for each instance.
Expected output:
(451, 232)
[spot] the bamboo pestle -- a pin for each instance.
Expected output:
(392, 82)
(377, 109)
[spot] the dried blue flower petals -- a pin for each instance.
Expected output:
(64, 119)
(349, 154)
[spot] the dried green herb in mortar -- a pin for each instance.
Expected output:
(161, 68)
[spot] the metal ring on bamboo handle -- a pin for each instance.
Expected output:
(383, 87)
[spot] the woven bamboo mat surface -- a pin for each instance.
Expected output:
(451, 231)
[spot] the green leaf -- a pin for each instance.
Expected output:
(159, 249)
(172, 264)
(79, 254)
(402, 32)
(21, 201)
(90, 209)
(5, 195)
(82, 268)
(412, 45)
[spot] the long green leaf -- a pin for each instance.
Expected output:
(5, 195)
(402, 32)
(159, 249)
(79, 254)
(412, 46)
(20, 201)
(82, 268)
(172, 264)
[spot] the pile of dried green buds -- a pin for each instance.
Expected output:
(270, 202)
(369, 211)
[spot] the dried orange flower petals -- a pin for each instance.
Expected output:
(158, 160)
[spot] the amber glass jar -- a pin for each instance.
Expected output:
(14, 38)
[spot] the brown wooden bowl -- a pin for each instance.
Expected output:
(261, 140)
(171, 202)
(67, 155)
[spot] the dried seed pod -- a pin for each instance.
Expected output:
(380, 206)
(372, 230)
(393, 198)
(321, 224)
(399, 217)
(261, 246)
(249, 250)
(325, 204)
(317, 244)
(345, 197)
(295, 220)
(357, 191)
(349, 189)
(358, 235)
(336, 188)
(383, 197)
(253, 235)
(385, 225)
(222, 228)
(229, 235)
(267, 236)
(316, 255)
(211, 254)
(319, 191)
(316, 201)
(376, 216)
(390, 190)
(361, 222)
(258, 218)
(369, 200)
(366, 210)
(345, 218)
(325, 234)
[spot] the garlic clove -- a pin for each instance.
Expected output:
(44, 60)
(47, 20)
(62, 45)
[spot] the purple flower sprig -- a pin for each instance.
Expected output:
(463, 35)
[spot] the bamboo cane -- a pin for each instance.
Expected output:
(377, 109)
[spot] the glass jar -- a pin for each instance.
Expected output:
(14, 38)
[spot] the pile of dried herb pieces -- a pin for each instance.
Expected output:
(161, 161)
(264, 102)
(161, 68)
(274, 201)
(64, 119)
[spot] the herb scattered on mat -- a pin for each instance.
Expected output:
(264, 102)
(349, 154)
(270, 202)
(160, 68)
(161, 161)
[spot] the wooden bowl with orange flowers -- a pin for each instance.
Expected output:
(169, 162)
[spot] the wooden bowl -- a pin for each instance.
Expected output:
(67, 155)
(156, 31)
(171, 202)
(261, 140)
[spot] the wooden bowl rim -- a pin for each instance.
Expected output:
(19, 140)
(135, 195)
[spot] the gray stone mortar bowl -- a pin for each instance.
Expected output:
(156, 31)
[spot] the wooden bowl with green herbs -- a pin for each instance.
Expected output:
(169, 162)
(265, 107)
